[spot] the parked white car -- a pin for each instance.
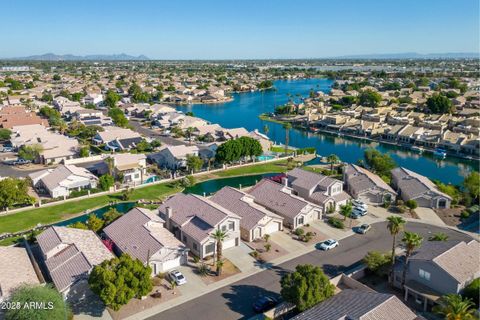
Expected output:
(360, 204)
(177, 277)
(327, 244)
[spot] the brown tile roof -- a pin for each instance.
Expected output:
(78, 251)
(354, 304)
(134, 233)
(15, 269)
(413, 184)
(236, 201)
(207, 214)
(271, 195)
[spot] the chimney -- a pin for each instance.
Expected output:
(168, 216)
(285, 181)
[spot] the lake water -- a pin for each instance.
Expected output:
(211, 186)
(243, 111)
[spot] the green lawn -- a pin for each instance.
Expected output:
(27, 219)
(281, 150)
(267, 118)
(277, 166)
(46, 215)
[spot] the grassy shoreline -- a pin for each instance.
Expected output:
(28, 219)
(264, 117)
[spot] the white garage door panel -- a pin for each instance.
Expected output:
(272, 227)
(170, 264)
(229, 243)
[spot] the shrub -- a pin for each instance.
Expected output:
(299, 232)
(377, 262)
(472, 292)
(203, 270)
(336, 223)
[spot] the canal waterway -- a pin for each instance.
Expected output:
(245, 108)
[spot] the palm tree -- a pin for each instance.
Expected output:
(412, 241)
(346, 211)
(333, 159)
(287, 126)
(439, 237)
(266, 129)
(454, 307)
(220, 264)
(395, 225)
(219, 236)
(189, 132)
(110, 165)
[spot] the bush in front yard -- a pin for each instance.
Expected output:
(336, 223)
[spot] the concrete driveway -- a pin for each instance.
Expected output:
(240, 257)
(428, 215)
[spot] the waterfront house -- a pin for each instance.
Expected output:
(438, 268)
(115, 138)
(69, 255)
(359, 304)
(60, 181)
(174, 157)
(131, 167)
(367, 186)
(16, 269)
(413, 186)
(283, 201)
(141, 234)
(193, 219)
(317, 188)
(256, 221)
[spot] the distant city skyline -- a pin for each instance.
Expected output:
(243, 30)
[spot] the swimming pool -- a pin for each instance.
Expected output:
(265, 157)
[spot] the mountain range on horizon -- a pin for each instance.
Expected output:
(126, 57)
(90, 57)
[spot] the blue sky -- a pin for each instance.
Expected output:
(205, 29)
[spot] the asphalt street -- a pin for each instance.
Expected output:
(235, 301)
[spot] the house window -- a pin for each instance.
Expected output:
(184, 238)
(195, 247)
(224, 228)
(300, 220)
(231, 225)
(209, 248)
(424, 274)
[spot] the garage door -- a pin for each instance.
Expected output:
(229, 243)
(422, 202)
(273, 226)
(170, 264)
(369, 198)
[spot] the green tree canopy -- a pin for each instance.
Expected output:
(30, 152)
(194, 163)
(472, 184)
(112, 98)
(106, 181)
(377, 262)
(380, 163)
(118, 280)
(439, 103)
(94, 223)
(454, 307)
(370, 98)
(472, 292)
(55, 305)
(235, 149)
(118, 117)
(111, 215)
(5, 134)
(306, 287)
(14, 191)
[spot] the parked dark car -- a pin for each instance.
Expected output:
(264, 303)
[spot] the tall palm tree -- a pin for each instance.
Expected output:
(333, 159)
(266, 129)
(395, 225)
(412, 241)
(189, 132)
(110, 165)
(219, 236)
(220, 264)
(454, 307)
(287, 126)
(439, 237)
